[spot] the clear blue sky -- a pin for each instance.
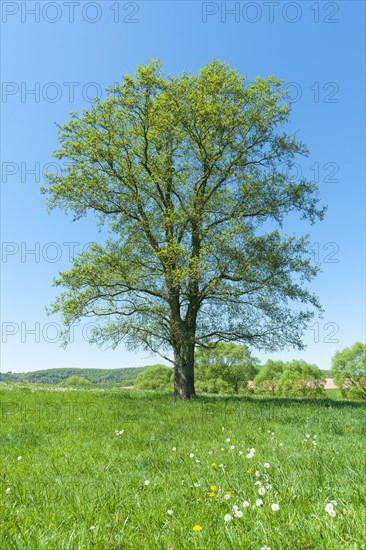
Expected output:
(66, 52)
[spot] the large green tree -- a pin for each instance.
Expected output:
(189, 174)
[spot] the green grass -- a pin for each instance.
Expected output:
(79, 485)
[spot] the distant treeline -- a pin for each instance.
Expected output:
(125, 376)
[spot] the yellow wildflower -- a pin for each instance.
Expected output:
(197, 528)
(213, 487)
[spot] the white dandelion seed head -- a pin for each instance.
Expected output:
(8, 490)
(228, 517)
(19, 458)
(92, 528)
(275, 507)
(261, 491)
(191, 455)
(238, 514)
(228, 440)
(257, 473)
(241, 453)
(250, 455)
(334, 502)
(246, 504)
(266, 465)
(226, 497)
(221, 465)
(259, 502)
(252, 451)
(235, 508)
(197, 461)
(258, 483)
(269, 486)
(197, 484)
(147, 483)
(170, 512)
(223, 448)
(174, 449)
(281, 444)
(232, 447)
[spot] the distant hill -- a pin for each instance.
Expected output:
(125, 376)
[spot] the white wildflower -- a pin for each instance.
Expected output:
(330, 510)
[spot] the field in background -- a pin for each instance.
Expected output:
(116, 469)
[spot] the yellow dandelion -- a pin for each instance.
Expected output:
(229, 493)
(213, 487)
(214, 465)
(197, 528)
(211, 494)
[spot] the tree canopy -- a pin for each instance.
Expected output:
(349, 369)
(190, 175)
(227, 368)
(293, 378)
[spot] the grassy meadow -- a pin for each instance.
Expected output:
(104, 468)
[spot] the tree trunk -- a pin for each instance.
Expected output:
(184, 370)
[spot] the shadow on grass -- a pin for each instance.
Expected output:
(283, 401)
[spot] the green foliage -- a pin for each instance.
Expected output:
(294, 378)
(226, 368)
(187, 173)
(268, 377)
(301, 379)
(76, 382)
(349, 370)
(156, 377)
